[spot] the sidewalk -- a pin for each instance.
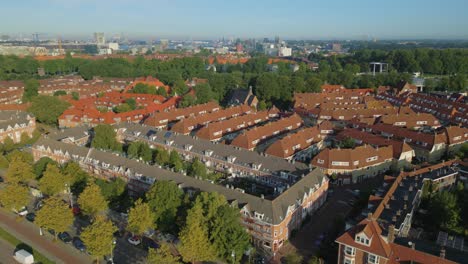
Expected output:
(29, 234)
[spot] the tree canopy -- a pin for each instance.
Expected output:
(105, 138)
(99, 237)
(92, 201)
(54, 215)
(14, 196)
(140, 218)
(162, 255)
(47, 109)
(164, 199)
(53, 181)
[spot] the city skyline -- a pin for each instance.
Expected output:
(210, 20)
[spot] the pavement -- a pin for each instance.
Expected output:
(29, 234)
(6, 251)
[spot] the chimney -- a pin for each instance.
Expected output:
(391, 233)
(442, 252)
(369, 216)
(394, 218)
(405, 206)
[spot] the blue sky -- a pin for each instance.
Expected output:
(306, 19)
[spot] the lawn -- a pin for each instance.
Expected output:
(38, 257)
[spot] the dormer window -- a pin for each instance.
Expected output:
(362, 239)
(259, 216)
(188, 147)
(231, 159)
(169, 142)
(256, 166)
(208, 152)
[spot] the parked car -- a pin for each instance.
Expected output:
(149, 243)
(38, 205)
(134, 240)
(31, 217)
(65, 237)
(78, 244)
(22, 212)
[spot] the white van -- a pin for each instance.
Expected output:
(23, 257)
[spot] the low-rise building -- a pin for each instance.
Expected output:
(13, 124)
(269, 221)
(354, 165)
(251, 138)
(11, 92)
(412, 121)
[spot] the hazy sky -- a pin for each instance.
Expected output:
(308, 19)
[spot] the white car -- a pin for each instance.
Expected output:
(22, 212)
(134, 240)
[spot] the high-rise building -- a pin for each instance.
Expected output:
(99, 38)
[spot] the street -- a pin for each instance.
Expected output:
(6, 251)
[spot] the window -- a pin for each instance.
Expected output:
(372, 259)
(350, 251)
(348, 261)
(320, 161)
(340, 163)
(372, 159)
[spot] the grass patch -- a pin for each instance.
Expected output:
(38, 257)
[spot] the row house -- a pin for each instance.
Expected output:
(412, 121)
(149, 80)
(269, 222)
(85, 112)
(402, 152)
(267, 170)
(11, 92)
(366, 244)
(251, 138)
(187, 125)
(456, 137)
(13, 124)
(427, 146)
(163, 119)
(390, 214)
(354, 165)
(214, 131)
(301, 145)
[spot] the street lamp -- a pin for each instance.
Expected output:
(68, 190)
(112, 251)
(233, 255)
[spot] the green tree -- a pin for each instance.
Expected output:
(195, 243)
(8, 144)
(164, 199)
(14, 196)
(187, 100)
(261, 106)
(113, 190)
(75, 96)
(53, 181)
(197, 169)
(444, 212)
(228, 234)
(105, 138)
(40, 166)
(47, 109)
(54, 215)
(140, 218)
(162, 156)
(162, 255)
(19, 171)
(99, 237)
(77, 177)
(175, 161)
(31, 90)
(91, 200)
(22, 156)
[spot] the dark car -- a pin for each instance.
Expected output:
(78, 244)
(30, 217)
(149, 243)
(65, 237)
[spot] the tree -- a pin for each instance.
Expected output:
(22, 156)
(77, 177)
(228, 234)
(444, 212)
(112, 190)
(47, 109)
(75, 96)
(19, 171)
(347, 143)
(14, 196)
(261, 106)
(92, 201)
(175, 161)
(8, 144)
(31, 89)
(195, 245)
(99, 237)
(162, 255)
(53, 181)
(162, 156)
(140, 218)
(40, 166)
(164, 199)
(197, 169)
(105, 138)
(54, 215)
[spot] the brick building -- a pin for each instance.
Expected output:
(15, 123)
